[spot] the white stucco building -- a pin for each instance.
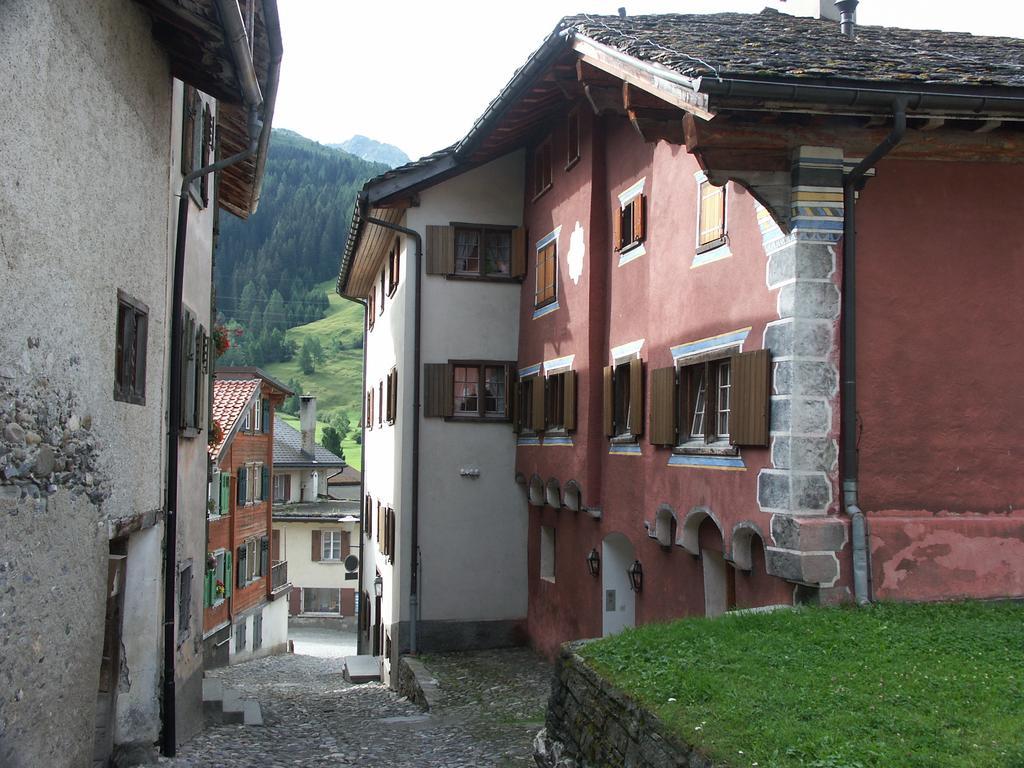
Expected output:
(443, 524)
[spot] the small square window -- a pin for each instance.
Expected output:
(480, 390)
(631, 226)
(130, 350)
(483, 252)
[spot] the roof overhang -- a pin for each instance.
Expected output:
(196, 38)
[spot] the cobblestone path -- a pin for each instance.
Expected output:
(492, 704)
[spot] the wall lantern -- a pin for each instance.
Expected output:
(378, 586)
(594, 563)
(636, 576)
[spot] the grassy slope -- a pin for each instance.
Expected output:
(893, 686)
(338, 381)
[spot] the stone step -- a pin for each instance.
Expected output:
(362, 669)
(225, 705)
(213, 689)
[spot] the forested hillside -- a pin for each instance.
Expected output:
(268, 267)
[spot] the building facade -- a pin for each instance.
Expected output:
(436, 489)
(246, 589)
(93, 285)
(314, 533)
(719, 325)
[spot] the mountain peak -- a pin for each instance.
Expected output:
(376, 151)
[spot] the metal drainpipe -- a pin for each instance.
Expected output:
(169, 731)
(362, 480)
(851, 184)
(414, 600)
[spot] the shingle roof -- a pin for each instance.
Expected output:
(288, 449)
(348, 476)
(771, 44)
(231, 398)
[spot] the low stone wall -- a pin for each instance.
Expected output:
(592, 724)
(416, 683)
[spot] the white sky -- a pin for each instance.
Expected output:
(417, 74)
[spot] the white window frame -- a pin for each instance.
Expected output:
(688, 440)
(330, 538)
(633, 250)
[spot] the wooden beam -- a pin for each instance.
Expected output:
(599, 57)
(604, 100)
(933, 123)
(988, 126)
(652, 130)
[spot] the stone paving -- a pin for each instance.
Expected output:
(492, 704)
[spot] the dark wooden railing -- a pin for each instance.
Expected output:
(278, 575)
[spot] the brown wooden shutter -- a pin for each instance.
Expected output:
(316, 551)
(391, 533)
(437, 390)
(440, 250)
(663, 406)
(393, 378)
(609, 401)
(188, 118)
(519, 252)
(748, 416)
(639, 218)
(569, 400)
(636, 397)
(537, 420)
(616, 228)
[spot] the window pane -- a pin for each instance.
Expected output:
(494, 390)
(465, 387)
(724, 388)
(498, 253)
(467, 251)
(697, 428)
(321, 600)
(626, 225)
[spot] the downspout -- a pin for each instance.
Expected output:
(253, 99)
(853, 182)
(362, 481)
(414, 600)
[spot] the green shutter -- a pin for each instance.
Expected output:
(225, 493)
(208, 589)
(227, 575)
(240, 490)
(265, 482)
(265, 419)
(241, 566)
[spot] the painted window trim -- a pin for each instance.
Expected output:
(550, 306)
(626, 352)
(632, 192)
(693, 353)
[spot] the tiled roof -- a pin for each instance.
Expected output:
(348, 476)
(288, 449)
(231, 398)
(776, 45)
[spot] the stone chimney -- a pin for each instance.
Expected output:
(307, 422)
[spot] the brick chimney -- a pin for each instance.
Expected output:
(307, 422)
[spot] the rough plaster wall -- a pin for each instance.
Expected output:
(52, 598)
(87, 89)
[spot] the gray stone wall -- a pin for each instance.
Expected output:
(591, 724)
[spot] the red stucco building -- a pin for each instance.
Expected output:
(245, 590)
(767, 330)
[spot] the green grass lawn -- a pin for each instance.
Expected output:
(889, 686)
(338, 380)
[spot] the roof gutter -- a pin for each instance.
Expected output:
(853, 182)
(414, 559)
(272, 23)
(867, 99)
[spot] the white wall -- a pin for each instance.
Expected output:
(297, 547)
(478, 524)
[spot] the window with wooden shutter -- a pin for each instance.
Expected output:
(241, 486)
(392, 396)
(546, 277)
(315, 551)
(483, 250)
(206, 153)
(572, 138)
(541, 176)
(437, 390)
(225, 493)
(751, 390)
(188, 120)
(265, 415)
(242, 566)
(264, 482)
(380, 403)
(228, 581)
(130, 350)
(264, 555)
(394, 263)
(371, 309)
(630, 227)
(663, 406)
(537, 415)
(711, 216)
(569, 394)
(440, 249)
